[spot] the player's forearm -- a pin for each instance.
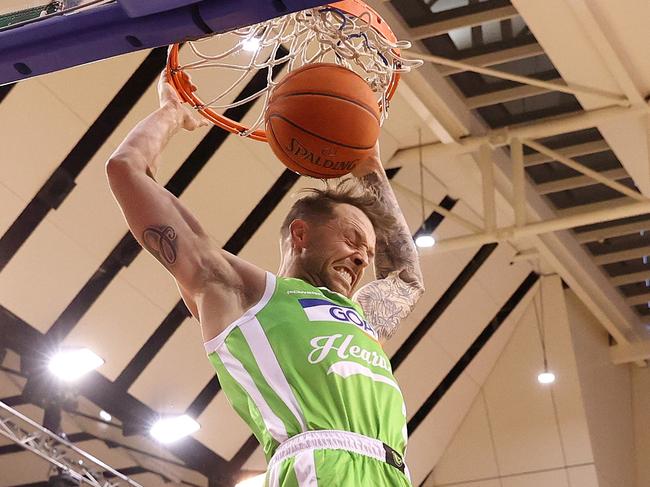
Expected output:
(142, 146)
(396, 252)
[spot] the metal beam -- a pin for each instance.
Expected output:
(497, 57)
(576, 166)
(469, 20)
(518, 182)
(571, 89)
(539, 129)
(639, 299)
(610, 204)
(629, 352)
(539, 228)
(559, 249)
(510, 94)
(631, 278)
(436, 207)
(487, 175)
(570, 151)
(622, 255)
(64, 455)
(613, 231)
(579, 181)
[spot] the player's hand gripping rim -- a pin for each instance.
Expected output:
(169, 100)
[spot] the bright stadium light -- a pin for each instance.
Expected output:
(257, 481)
(70, 365)
(168, 430)
(424, 241)
(251, 45)
(546, 377)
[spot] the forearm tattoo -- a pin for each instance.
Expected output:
(395, 247)
(161, 242)
(400, 283)
(387, 301)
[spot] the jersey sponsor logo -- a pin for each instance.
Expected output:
(342, 348)
(324, 310)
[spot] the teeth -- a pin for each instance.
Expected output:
(346, 275)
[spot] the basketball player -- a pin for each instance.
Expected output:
(298, 354)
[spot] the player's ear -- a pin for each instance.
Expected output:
(298, 230)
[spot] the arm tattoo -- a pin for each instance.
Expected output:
(161, 242)
(392, 297)
(387, 301)
(395, 248)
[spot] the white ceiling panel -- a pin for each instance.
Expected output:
(584, 476)
(222, 429)
(177, 373)
(429, 440)
(87, 89)
(22, 468)
(11, 207)
(422, 371)
(465, 319)
(256, 462)
(43, 277)
(470, 455)
(481, 366)
(38, 131)
(152, 280)
(116, 326)
(556, 478)
(526, 434)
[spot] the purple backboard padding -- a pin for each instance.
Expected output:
(107, 30)
(140, 8)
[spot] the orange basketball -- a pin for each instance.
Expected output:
(321, 120)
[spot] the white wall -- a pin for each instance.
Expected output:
(641, 409)
(519, 433)
(607, 393)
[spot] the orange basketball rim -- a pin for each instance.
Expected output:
(179, 79)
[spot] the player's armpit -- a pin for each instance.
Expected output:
(387, 301)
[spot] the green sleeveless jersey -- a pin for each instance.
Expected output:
(304, 358)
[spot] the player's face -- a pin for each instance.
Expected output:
(339, 250)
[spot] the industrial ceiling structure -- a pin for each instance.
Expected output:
(531, 121)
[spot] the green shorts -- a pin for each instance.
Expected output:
(335, 459)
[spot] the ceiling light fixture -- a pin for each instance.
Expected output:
(105, 416)
(173, 428)
(423, 237)
(424, 241)
(545, 377)
(70, 365)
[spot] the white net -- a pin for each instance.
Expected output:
(317, 35)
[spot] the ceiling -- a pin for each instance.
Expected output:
(71, 274)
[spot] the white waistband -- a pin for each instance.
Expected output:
(331, 440)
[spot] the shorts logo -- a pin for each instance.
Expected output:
(323, 310)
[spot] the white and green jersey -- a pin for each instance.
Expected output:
(304, 358)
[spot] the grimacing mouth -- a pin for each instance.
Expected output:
(349, 276)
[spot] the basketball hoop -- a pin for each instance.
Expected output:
(348, 33)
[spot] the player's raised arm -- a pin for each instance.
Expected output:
(163, 225)
(399, 283)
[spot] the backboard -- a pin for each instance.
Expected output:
(37, 36)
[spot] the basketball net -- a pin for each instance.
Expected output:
(348, 33)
